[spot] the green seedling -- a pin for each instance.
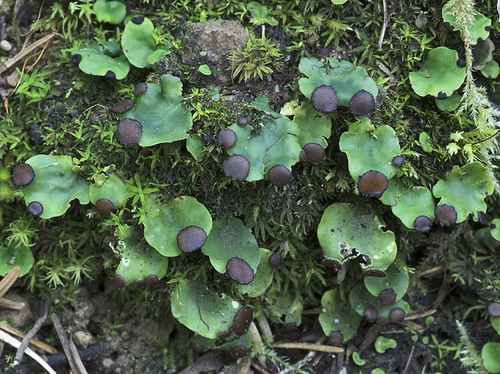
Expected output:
(338, 316)
(449, 104)
(263, 277)
(229, 240)
(397, 279)
(361, 299)
(139, 263)
(368, 148)
(138, 43)
(112, 189)
(344, 77)
(491, 70)
(54, 186)
(201, 310)
(346, 232)
(159, 110)
(440, 75)
(275, 144)
(465, 189)
(102, 60)
(479, 30)
(12, 256)
(409, 203)
(382, 344)
(110, 11)
(163, 223)
(491, 357)
(205, 70)
(357, 359)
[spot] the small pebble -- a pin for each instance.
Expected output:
(5, 45)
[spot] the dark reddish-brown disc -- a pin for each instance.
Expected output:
(335, 338)
(279, 175)
(361, 103)
(119, 281)
(226, 138)
(122, 107)
(242, 320)
(397, 315)
(445, 214)
(387, 297)
(129, 131)
(140, 89)
(275, 260)
(151, 280)
(372, 184)
(104, 206)
(398, 160)
(370, 314)
(373, 273)
(22, 174)
(239, 271)
(382, 321)
(324, 99)
(35, 208)
(422, 224)
(236, 167)
(311, 153)
(191, 238)
(240, 351)
(332, 263)
(494, 309)
(242, 121)
(224, 334)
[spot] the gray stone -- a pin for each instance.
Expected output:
(218, 39)
(19, 319)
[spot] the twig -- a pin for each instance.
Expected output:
(409, 358)
(37, 343)
(384, 26)
(7, 282)
(16, 343)
(68, 351)
(309, 347)
(245, 365)
(259, 368)
(38, 324)
(14, 60)
(76, 356)
(257, 340)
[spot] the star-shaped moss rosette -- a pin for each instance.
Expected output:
(369, 149)
(110, 11)
(465, 189)
(361, 299)
(161, 116)
(139, 264)
(102, 60)
(206, 312)
(108, 195)
(396, 279)
(345, 78)
(338, 317)
(480, 29)
(262, 279)
(346, 232)
(288, 304)
(275, 144)
(413, 206)
(441, 74)
(12, 256)
(54, 186)
(173, 227)
(138, 43)
(233, 249)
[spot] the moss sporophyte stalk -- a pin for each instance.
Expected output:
(321, 189)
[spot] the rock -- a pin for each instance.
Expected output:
(218, 39)
(83, 339)
(19, 319)
(5, 45)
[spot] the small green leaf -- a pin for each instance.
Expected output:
(110, 11)
(449, 104)
(195, 146)
(382, 344)
(478, 30)
(138, 42)
(11, 256)
(263, 276)
(205, 70)
(313, 128)
(491, 70)
(495, 228)
(397, 279)
(93, 60)
(112, 189)
(491, 357)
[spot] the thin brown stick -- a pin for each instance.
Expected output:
(409, 358)
(76, 356)
(38, 324)
(37, 343)
(259, 368)
(309, 347)
(7, 282)
(65, 343)
(14, 60)
(245, 365)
